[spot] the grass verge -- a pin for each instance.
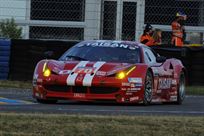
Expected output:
(195, 90)
(190, 90)
(84, 125)
(16, 84)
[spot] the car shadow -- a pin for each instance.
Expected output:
(107, 103)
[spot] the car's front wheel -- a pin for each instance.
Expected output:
(46, 101)
(148, 88)
(181, 89)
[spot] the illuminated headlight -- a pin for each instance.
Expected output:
(47, 72)
(123, 74)
(120, 75)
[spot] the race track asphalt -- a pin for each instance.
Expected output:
(21, 101)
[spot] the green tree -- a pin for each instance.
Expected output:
(9, 29)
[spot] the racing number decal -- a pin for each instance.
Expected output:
(81, 68)
(84, 70)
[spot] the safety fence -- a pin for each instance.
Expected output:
(102, 19)
(25, 54)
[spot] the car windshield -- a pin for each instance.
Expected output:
(119, 53)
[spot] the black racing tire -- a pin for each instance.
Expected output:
(46, 101)
(148, 88)
(181, 89)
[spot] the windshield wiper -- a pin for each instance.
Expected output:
(75, 57)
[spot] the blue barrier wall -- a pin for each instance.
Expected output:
(5, 46)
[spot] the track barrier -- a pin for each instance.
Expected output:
(5, 46)
(25, 54)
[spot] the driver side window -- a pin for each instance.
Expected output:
(149, 56)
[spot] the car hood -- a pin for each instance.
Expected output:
(99, 68)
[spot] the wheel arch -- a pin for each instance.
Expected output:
(184, 70)
(150, 69)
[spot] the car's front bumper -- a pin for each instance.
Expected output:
(83, 93)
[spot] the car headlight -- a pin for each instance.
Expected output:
(123, 74)
(46, 70)
(120, 75)
(47, 73)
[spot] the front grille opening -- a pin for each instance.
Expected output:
(79, 89)
(103, 90)
(57, 88)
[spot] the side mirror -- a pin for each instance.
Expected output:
(160, 59)
(48, 54)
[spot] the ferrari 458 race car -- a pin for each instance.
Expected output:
(122, 71)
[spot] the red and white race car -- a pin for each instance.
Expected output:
(123, 71)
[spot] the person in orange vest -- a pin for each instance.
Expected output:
(146, 37)
(178, 30)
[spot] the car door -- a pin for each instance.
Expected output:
(162, 72)
(150, 60)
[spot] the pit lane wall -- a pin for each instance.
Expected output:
(26, 53)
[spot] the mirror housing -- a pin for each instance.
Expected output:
(160, 59)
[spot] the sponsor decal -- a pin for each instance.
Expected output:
(138, 85)
(156, 100)
(85, 70)
(128, 93)
(125, 84)
(173, 98)
(64, 72)
(165, 83)
(133, 89)
(135, 80)
(100, 73)
(174, 82)
(79, 95)
(134, 98)
(110, 45)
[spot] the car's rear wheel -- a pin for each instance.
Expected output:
(148, 88)
(46, 101)
(181, 89)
